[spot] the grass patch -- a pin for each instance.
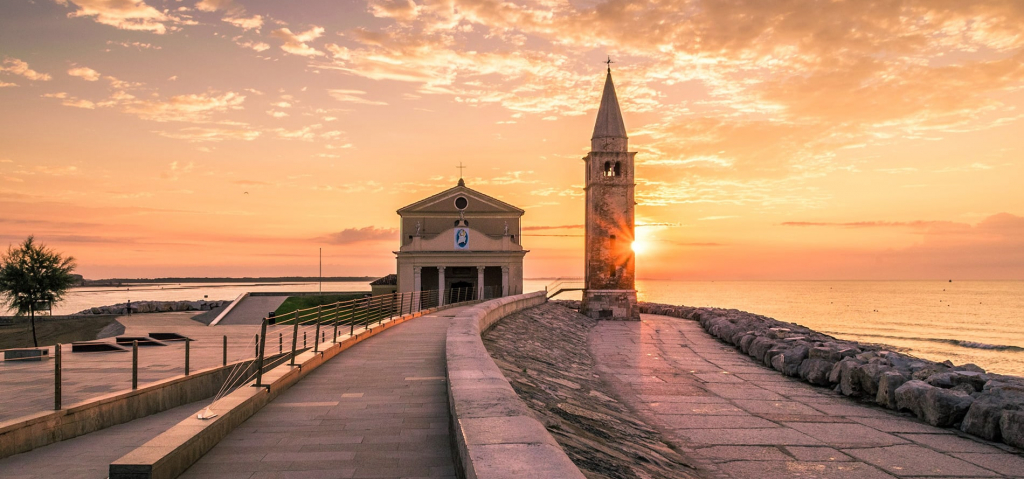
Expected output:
(63, 331)
(302, 302)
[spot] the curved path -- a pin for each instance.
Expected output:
(749, 421)
(380, 409)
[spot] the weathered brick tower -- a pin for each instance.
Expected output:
(609, 291)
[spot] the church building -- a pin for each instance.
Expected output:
(609, 290)
(461, 240)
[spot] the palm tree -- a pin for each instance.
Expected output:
(32, 274)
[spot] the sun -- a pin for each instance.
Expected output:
(641, 241)
(639, 247)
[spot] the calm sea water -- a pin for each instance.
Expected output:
(980, 322)
(79, 299)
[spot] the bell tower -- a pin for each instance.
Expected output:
(609, 290)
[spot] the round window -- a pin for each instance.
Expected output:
(461, 202)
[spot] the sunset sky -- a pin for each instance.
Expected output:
(777, 139)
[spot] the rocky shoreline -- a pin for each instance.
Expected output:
(990, 406)
(155, 307)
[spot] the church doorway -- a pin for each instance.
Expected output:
(461, 291)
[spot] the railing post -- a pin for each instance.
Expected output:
(336, 323)
(280, 342)
(256, 346)
(135, 364)
(188, 342)
(56, 377)
(224, 361)
(380, 311)
(295, 335)
(352, 319)
(304, 342)
(262, 347)
(316, 334)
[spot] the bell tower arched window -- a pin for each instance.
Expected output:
(612, 169)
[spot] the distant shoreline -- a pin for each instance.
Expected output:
(280, 279)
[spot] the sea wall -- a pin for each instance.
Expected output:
(990, 406)
(155, 307)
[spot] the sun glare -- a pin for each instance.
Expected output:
(639, 247)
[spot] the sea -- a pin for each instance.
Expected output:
(980, 322)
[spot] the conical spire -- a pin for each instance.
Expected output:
(609, 118)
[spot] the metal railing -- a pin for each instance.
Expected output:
(79, 376)
(561, 285)
(327, 323)
(103, 368)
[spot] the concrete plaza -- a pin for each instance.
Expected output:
(87, 375)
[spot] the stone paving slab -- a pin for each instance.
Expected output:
(377, 410)
(744, 420)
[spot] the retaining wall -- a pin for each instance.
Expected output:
(38, 430)
(494, 434)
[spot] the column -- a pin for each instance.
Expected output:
(417, 286)
(480, 282)
(440, 286)
(504, 280)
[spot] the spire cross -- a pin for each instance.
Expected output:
(609, 63)
(460, 167)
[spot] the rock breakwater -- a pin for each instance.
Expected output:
(990, 406)
(155, 307)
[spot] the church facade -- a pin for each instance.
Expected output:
(610, 268)
(461, 240)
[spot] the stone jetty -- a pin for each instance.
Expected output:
(155, 307)
(990, 406)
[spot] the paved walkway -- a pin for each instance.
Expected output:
(89, 456)
(748, 421)
(379, 409)
(28, 385)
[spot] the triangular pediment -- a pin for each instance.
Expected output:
(444, 202)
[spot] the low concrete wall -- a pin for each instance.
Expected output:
(38, 430)
(494, 434)
(175, 450)
(229, 308)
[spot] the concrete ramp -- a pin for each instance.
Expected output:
(252, 309)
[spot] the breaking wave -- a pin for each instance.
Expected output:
(955, 342)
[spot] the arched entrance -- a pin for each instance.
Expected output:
(461, 291)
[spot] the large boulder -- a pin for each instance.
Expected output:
(984, 416)
(867, 377)
(745, 341)
(1011, 427)
(849, 381)
(936, 406)
(759, 346)
(888, 382)
(789, 361)
(816, 370)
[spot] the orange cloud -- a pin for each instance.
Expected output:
(18, 67)
(361, 235)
